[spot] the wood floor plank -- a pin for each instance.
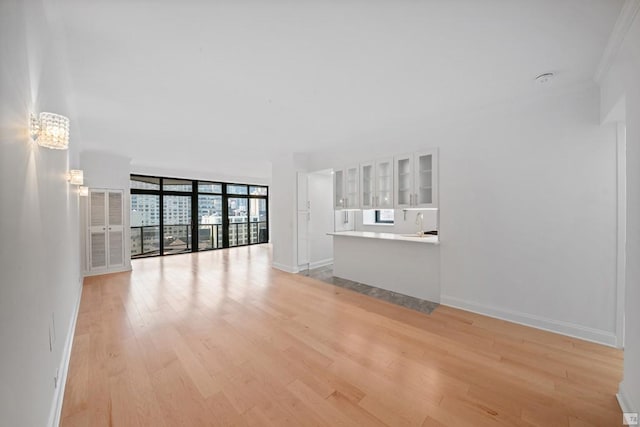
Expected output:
(220, 338)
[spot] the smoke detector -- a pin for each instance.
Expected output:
(545, 78)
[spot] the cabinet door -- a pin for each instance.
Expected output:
(367, 185)
(115, 210)
(97, 219)
(403, 181)
(352, 184)
(303, 191)
(303, 238)
(384, 184)
(338, 189)
(425, 184)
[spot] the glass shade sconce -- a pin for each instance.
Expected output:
(83, 191)
(75, 177)
(50, 130)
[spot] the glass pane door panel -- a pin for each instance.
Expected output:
(145, 182)
(177, 224)
(145, 225)
(176, 185)
(238, 218)
(367, 185)
(258, 211)
(425, 179)
(404, 181)
(352, 187)
(338, 189)
(209, 187)
(209, 221)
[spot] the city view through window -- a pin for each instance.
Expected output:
(163, 211)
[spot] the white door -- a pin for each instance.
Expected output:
(425, 179)
(106, 229)
(303, 239)
(97, 230)
(115, 228)
(384, 184)
(303, 191)
(304, 205)
(403, 181)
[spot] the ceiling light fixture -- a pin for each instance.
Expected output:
(50, 130)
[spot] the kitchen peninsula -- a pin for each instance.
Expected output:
(402, 263)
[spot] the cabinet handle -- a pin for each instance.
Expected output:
(410, 199)
(415, 199)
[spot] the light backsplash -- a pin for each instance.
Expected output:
(353, 221)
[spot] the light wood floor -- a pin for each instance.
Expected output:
(219, 338)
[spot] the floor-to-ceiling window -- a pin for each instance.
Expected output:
(145, 216)
(171, 215)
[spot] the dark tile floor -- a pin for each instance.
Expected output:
(325, 274)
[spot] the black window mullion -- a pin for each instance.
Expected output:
(195, 227)
(161, 219)
(225, 217)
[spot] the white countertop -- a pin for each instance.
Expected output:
(429, 239)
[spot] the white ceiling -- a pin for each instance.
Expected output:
(184, 82)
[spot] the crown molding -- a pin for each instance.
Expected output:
(618, 34)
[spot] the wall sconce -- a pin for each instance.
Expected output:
(75, 177)
(50, 130)
(83, 191)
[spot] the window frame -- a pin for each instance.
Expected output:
(383, 221)
(194, 193)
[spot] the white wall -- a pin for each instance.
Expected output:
(527, 210)
(39, 258)
(621, 83)
(528, 217)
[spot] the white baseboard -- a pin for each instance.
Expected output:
(287, 268)
(623, 400)
(56, 405)
(321, 263)
(105, 271)
(565, 328)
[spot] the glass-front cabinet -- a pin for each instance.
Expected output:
(384, 184)
(415, 180)
(346, 184)
(338, 189)
(367, 185)
(376, 184)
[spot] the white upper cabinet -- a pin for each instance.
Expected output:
(367, 185)
(376, 184)
(352, 185)
(416, 180)
(384, 184)
(346, 188)
(338, 189)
